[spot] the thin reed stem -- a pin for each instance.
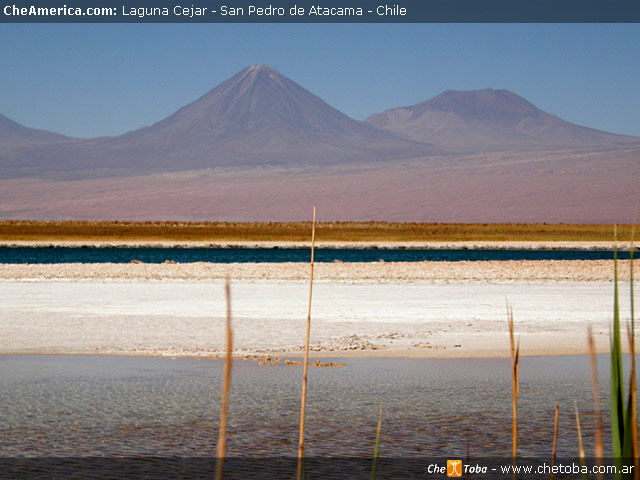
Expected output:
(222, 434)
(375, 450)
(617, 389)
(632, 398)
(632, 350)
(631, 249)
(580, 449)
(583, 460)
(599, 448)
(306, 352)
(555, 438)
(515, 354)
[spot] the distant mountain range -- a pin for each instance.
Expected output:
(259, 117)
(488, 120)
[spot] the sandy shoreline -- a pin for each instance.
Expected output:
(544, 344)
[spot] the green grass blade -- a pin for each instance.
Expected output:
(631, 248)
(375, 450)
(617, 389)
(632, 407)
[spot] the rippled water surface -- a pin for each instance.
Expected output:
(59, 406)
(276, 255)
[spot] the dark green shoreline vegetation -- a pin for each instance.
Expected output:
(299, 232)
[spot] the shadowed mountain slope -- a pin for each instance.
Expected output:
(486, 120)
(12, 133)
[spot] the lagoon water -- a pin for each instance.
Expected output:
(60, 406)
(276, 255)
(138, 407)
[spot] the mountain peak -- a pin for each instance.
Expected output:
(259, 101)
(259, 116)
(257, 73)
(264, 68)
(497, 106)
(488, 119)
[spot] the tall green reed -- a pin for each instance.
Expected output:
(624, 425)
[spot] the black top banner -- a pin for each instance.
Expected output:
(331, 11)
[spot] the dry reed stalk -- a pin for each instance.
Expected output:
(515, 355)
(581, 450)
(222, 434)
(555, 438)
(599, 449)
(306, 352)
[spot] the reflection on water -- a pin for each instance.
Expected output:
(76, 406)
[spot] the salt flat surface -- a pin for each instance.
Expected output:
(419, 318)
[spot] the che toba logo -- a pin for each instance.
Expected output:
(454, 468)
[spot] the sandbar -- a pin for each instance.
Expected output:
(425, 309)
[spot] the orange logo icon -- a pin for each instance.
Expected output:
(454, 468)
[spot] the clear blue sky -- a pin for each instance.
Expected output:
(91, 80)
